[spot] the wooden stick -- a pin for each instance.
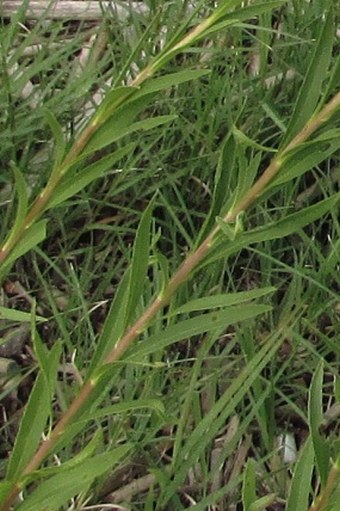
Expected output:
(71, 9)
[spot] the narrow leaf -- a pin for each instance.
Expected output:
(300, 487)
(18, 316)
(249, 484)
(195, 326)
(128, 406)
(115, 324)
(140, 260)
(21, 191)
(72, 184)
(170, 80)
(311, 88)
(263, 502)
(315, 417)
(57, 490)
(250, 11)
(222, 184)
(114, 130)
(114, 98)
(226, 300)
(31, 428)
(48, 361)
(285, 226)
(58, 135)
(305, 158)
(216, 418)
(34, 235)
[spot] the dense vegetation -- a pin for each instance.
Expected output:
(169, 217)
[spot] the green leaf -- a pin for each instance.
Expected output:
(311, 88)
(246, 174)
(337, 388)
(35, 234)
(32, 426)
(249, 484)
(48, 361)
(58, 135)
(114, 129)
(285, 226)
(139, 262)
(195, 326)
(209, 426)
(334, 80)
(18, 316)
(306, 157)
(223, 8)
(128, 406)
(315, 418)
(122, 105)
(274, 230)
(300, 488)
(226, 300)
(222, 184)
(235, 17)
(90, 450)
(251, 11)
(170, 80)
(21, 192)
(115, 324)
(114, 98)
(262, 502)
(244, 139)
(73, 183)
(5, 489)
(20, 187)
(67, 483)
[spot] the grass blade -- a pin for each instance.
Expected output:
(72, 184)
(310, 90)
(211, 302)
(209, 426)
(315, 417)
(139, 262)
(57, 490)
(195, 326)
(34, 419)
(301, 483)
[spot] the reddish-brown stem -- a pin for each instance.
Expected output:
(178, 278)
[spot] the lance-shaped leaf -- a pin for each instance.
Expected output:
(69, 482)
(300, 486)
(310, 90)
(315, 417)
(33, 422)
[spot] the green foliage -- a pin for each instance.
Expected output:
(300, 486)
(310, 90)
(37, 411)
(321, 446)
(185, 293)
